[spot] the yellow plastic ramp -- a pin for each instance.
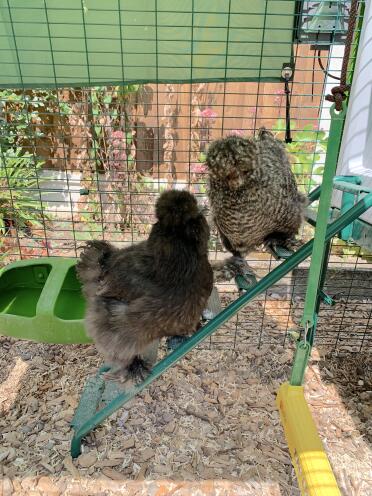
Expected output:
(313, 470)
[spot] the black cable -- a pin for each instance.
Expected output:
(325, 70)
(288, 137)
(313, 80)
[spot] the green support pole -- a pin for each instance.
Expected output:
(321, 251)
(171, 359)
(317, 265)
(327, 251)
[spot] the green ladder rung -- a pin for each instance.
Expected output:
(340, 185)
(328, 300)
(110, 391)
(245, 283)
(96, 393)
(350, 187)
(280, 252)
(89, 401)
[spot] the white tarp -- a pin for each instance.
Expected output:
(356, 147)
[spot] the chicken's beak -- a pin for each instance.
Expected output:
(235, 180)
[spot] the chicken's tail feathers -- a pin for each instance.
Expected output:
(93, 261)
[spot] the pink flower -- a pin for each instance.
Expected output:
(118, 149)
(208, 113)
(280, 91)
(117, 134)
(251, 110)
(198, 168)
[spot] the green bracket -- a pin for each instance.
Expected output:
(328, 300)
(352, 185)
(280, 252)
(245, 283)
(347, 201)
(301, 358)
(362, 232)
(314, 194)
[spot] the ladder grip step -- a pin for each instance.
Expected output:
(89, 401)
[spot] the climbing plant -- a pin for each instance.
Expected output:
(19, 204)
(20, 124)
(307, 152)
(22, 115)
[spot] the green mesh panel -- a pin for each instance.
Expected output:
(96, 42)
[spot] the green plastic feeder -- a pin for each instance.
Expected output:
(42, 300)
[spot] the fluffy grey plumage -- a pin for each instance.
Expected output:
(152, 289)
(253, 193)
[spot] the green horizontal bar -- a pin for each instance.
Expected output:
(314, 194)
(351, 188)
(219, 320)
(87, 84)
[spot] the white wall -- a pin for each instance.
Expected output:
(59, 191)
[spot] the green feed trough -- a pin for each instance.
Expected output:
(41, 300)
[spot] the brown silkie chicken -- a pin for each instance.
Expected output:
(155, 288)
(254, 197)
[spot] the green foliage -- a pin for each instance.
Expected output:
(22, 120)
(202, 157)
(18, 179)
(21, 112)
(306, 150)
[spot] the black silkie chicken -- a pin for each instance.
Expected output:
(156, 288)
(254, 197)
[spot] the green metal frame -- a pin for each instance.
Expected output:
(320, 252)
(357, 230)
(83, 424)
(361, 231)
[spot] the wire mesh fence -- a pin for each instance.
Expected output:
(84, 156)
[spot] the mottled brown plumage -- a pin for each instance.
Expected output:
(253, 194)
(152, 289)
